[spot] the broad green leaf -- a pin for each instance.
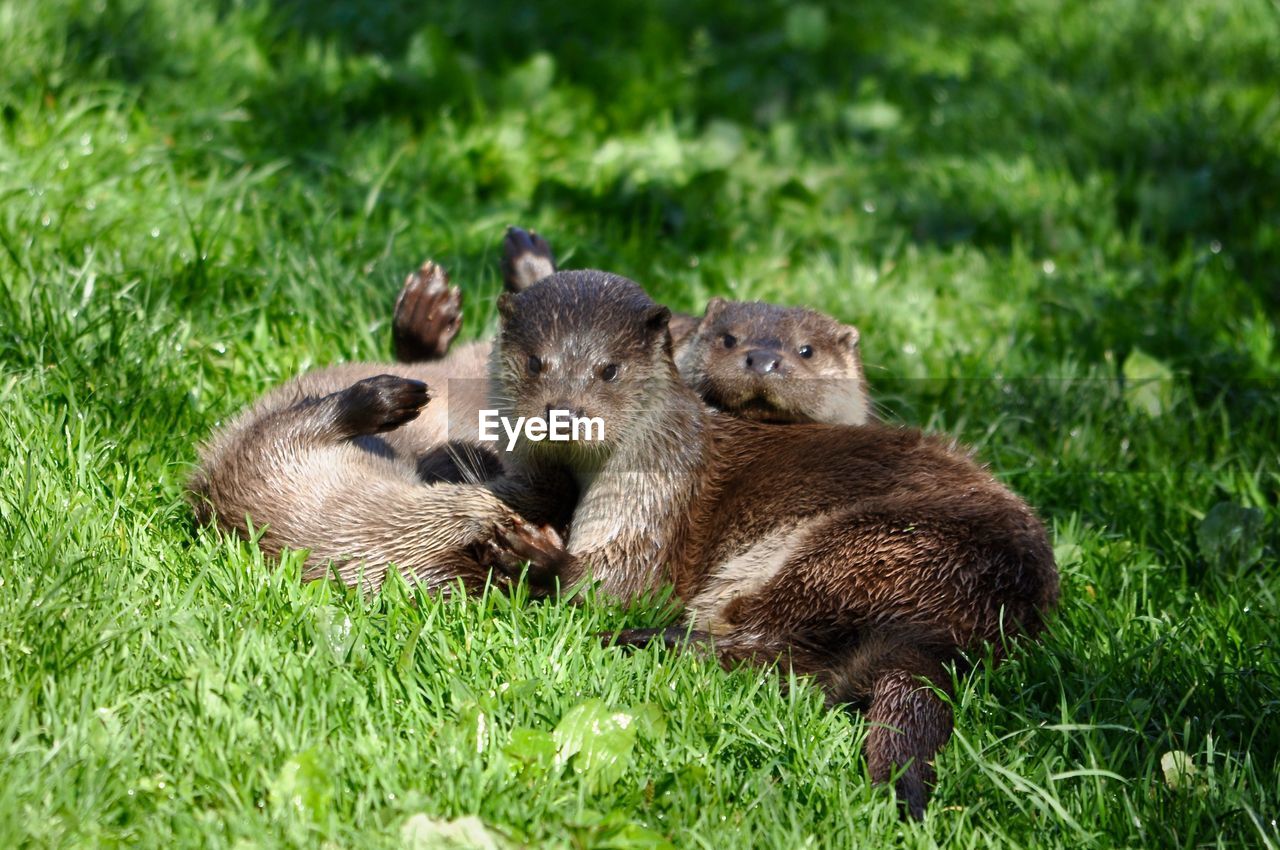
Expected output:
(532, 746)
(1230, 536)
(872, 116)
(422, 832)
(806, 26)
(1148, 383)
(598, 739)
(304, 785)
(613, 831)
(1178, 769)
(633, 836)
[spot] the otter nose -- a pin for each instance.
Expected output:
(575, 411)
(763, 361)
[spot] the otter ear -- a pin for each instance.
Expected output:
(714, 306)
(849, 337)
(656, 319)
(506, 306)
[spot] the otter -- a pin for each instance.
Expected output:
(316, 465)
(868, 557)
(759, 360)
(348, 463)
(775, 364)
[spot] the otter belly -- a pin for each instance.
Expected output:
(746, 572)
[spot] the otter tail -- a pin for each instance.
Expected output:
(895, 678)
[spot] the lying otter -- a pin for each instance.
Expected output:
(868, 557)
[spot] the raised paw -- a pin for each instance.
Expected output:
(517, 542)
(526, 259)
(382, 403)
(428, 315)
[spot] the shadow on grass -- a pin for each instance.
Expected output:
(931, 93)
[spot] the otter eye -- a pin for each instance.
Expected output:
(806, 351)
(535, 364)
(610, 372)
(730, 340)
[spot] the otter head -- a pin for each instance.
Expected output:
(776, 364)
(590, 344)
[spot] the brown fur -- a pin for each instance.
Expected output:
(775, 364)
(335, 461)
(866, 556)
(743, 357)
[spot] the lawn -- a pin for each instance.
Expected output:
(1057, 224)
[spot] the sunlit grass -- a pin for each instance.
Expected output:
(1029, 209)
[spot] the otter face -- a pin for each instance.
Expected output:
(776, 364)
(586, 342)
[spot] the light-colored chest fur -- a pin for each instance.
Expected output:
(746, 572)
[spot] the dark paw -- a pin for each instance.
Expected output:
(518, 542)
(428, 315)
(382, 403)
(526, 259)
(672, 637)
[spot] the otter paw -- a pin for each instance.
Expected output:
(382, 403)
(428, 315)
(672, 637)
(517, 542)
(526, 259)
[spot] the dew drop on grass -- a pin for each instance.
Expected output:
(869, 206)
(155, 233)
(1049, 266)
(1215, 246)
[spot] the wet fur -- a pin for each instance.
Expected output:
(829, 386)
(906, 553)
(316, 465)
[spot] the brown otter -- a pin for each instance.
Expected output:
(335, 462)
(776, 364)
(866, 556)
(762, 361)
(303, 464)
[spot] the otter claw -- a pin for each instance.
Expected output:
(515, 543)
(428, 315)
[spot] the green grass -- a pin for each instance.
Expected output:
(1027, 209)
